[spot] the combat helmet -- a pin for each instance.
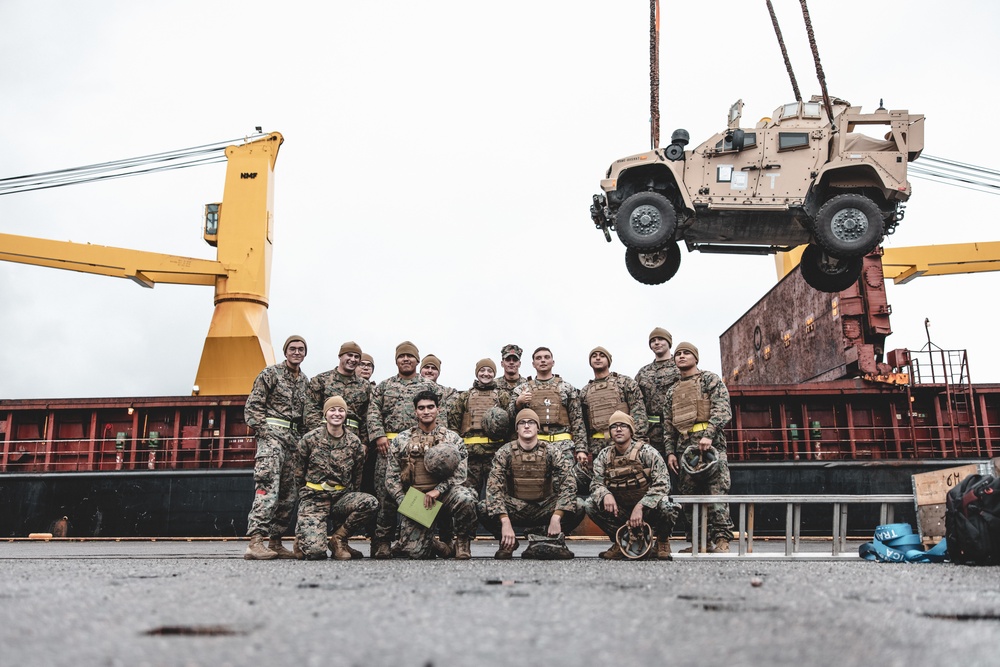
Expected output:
(697, 463)
(635, 543)
(442, 461)
(496, 423)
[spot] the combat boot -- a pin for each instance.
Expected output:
(721, 546)
(442, 549)
(275, 545)
(614, 553)
(506, 554)
(663, 549)
(258, 550)
(354, 552)
(463, 550)
(338, 545)
(381, 550)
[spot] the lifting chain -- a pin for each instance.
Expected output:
(654, 74)
(819, 67)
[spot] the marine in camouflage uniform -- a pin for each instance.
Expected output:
(510, 361)
(695, 411)
(466, 418)
(458, 502)
(389, 413)
(531, 485)
(331, 461)
(605, 394)
(430, 370)
(274, 410)
(654, 379)
(344, 382)
(557, 404)
(631, 486)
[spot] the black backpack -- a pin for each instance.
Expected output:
(972, 521)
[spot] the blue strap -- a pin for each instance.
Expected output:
(897, 543)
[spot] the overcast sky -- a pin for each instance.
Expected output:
(437, 171)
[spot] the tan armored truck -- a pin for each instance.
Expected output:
(794, 179)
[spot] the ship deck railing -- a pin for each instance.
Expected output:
(793, 518)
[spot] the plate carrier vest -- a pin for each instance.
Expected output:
(530, 478)
(479, 402)
(548, 405)
(415, 471)
(690, 405)
(625, 477)
(603, 399)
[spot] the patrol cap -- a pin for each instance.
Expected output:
(485, 363)
(660, 332)
(406, 347)
(292, 338)
(510, 349)
(337, 401)
(602, 350)
(686, 346)
(527, 413)
(349, 346)
(620, 417)
(431, 360)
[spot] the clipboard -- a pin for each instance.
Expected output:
(412, 507)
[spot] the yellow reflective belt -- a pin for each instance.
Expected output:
(700, 426)
(478, 440)
(391, 436)
(353, 423)
(555, 437)
(325, 487)
(598, 436)
(653, 420)
(274, 421)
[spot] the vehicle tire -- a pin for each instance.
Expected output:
(849, 225)
(646, 222)
(829, 274)
(653, 268)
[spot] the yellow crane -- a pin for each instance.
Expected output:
(238, 344)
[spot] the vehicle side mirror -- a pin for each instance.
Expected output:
(738, 139)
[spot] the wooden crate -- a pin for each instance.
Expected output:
(930, 489)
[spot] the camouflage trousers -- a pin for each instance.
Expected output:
(459, 506)
(660, 518)
(275, 493)
(716, 483)
(479, 472)
(350, 509)
(385, 524)
(531, 516)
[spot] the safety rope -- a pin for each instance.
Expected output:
(784, 52)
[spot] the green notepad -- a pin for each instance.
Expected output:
(412, 507)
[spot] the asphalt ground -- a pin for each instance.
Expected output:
(134, 602)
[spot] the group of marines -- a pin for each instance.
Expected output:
(522, 453)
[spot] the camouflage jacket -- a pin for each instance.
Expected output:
(458, 407)
(654, 379)
(391, 407)
(659, 483)
(322, 458)
(278, 393)
(446, 399)
(499, 483)
(400, 451)
(628, 393)
(570, 399)
(721, 412)
(355, 391)
(511, 386)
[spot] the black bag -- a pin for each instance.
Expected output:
(972, 521)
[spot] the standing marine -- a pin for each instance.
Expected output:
(695, 411)
(654, 379)
(557, 404)
(274, 410)
(389, 413)
(481, 416)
